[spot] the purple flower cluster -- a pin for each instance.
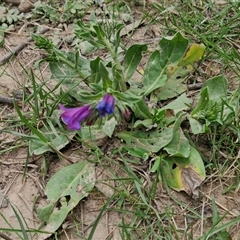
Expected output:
(106, 106)
(73, 117)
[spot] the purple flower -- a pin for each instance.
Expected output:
(73, 117)
(106, 105)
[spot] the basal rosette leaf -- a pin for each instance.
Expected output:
(155, 74)
(141, 110)
(179, 146)
(64, 191)
(173, 49)
(179, 104)
(178, 70)
(58, 138)
(152, 141)
(184, 174)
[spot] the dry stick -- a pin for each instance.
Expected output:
(220, 205)
(195, 86)
(2, 235)
(7, 100)
(15, 2)
(20, 47)
(7, 189)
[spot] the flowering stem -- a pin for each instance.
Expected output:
(118, 64)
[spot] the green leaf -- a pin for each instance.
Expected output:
(146, 123)
(64, 191)
(109, 126)
(91, 33)
(173, 49)
(217, 88)
(154, 76)
(179, 63)
(152, 141)
(56, 140)
(86, 97)
(171, 89)
(79, 63)
(107, 82)
(156, 165)
(95, 74)
(179, 146)
(212, 106)
(127, 96)
(179, 104)
(178, 122)
(203, 101)
(132, 59)
(93, 136)
(141, 110)
(117, 39)
(139, 152)
(85, 47)
(99, 31)
(196, 126)
(118, 83)
(184, 174)
(159, 116)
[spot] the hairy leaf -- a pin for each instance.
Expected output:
(64, 191)
(132, 59)
(184, 174)
(153, 141)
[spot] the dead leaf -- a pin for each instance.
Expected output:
(191, 181)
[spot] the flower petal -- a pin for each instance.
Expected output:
(106, 105)
(73, 117)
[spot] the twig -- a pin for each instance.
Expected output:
(7, 189)
(7, 100)
(15, 2)
(20, 47)
(2, 235)
(195, 86)
(10, 100)
(220, 205)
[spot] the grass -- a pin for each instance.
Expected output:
(146, 208)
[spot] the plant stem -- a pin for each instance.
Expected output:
(118, 64)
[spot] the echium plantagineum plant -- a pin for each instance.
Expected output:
(106, 89)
